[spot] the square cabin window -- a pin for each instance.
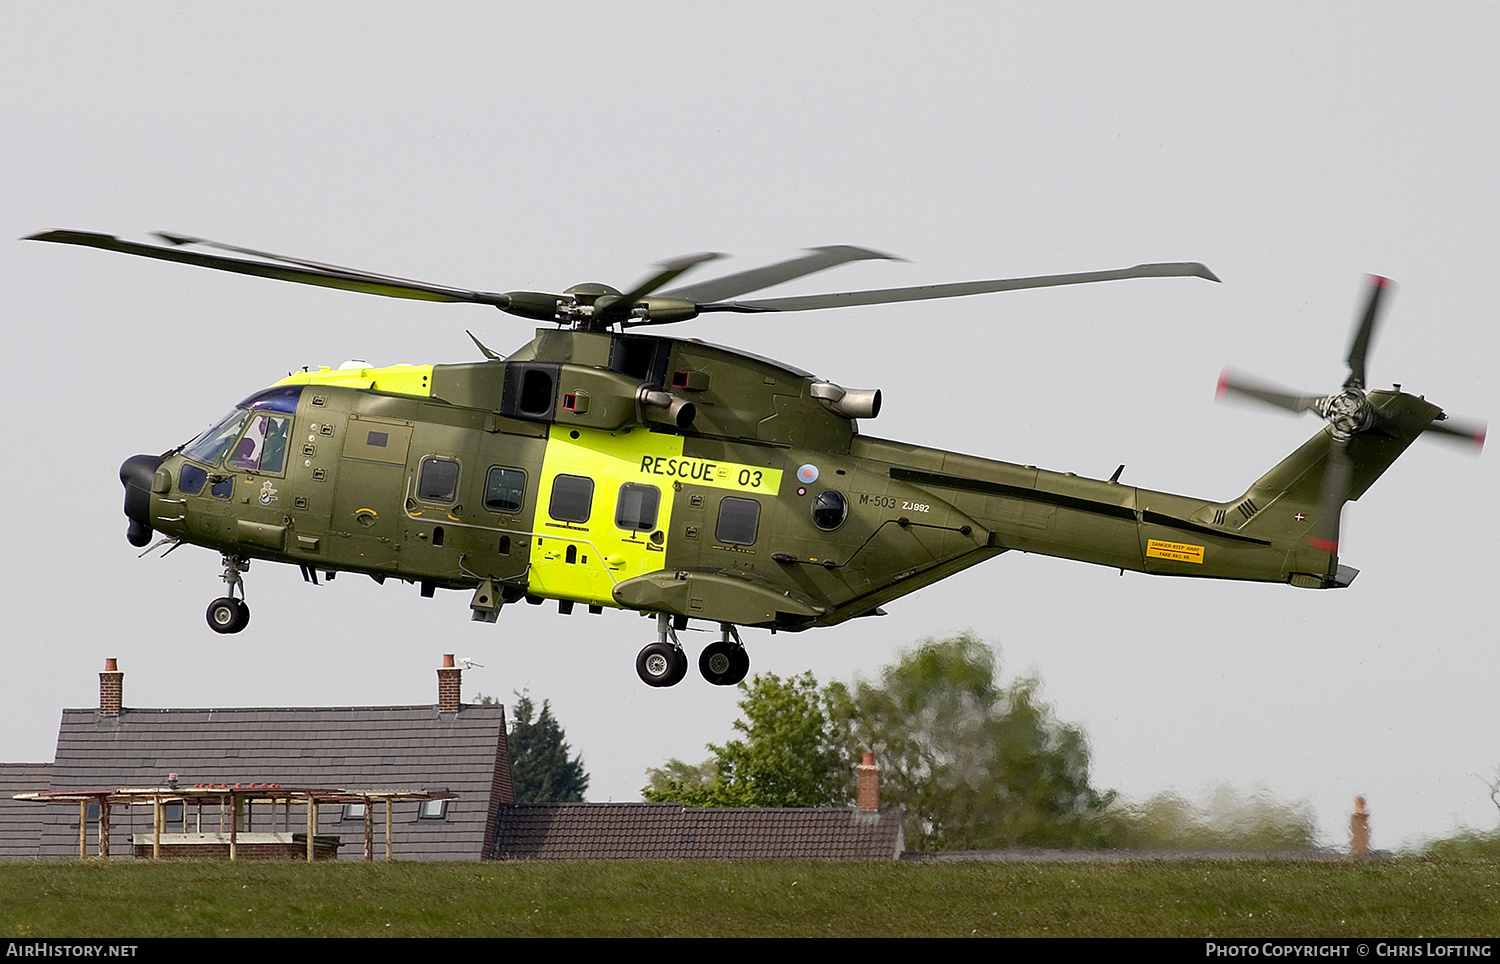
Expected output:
(355, 811)
(738, 521)
(637, 506)
(438, 480)
(433, 810)
(504, 489)
(572, 498)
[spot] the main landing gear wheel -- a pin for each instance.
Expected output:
(228, 615)
(724, 663)
(661, 664)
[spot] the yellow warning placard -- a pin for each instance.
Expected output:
(1176, 551)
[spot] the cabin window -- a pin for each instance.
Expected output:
(433, 810)
(829, 510)
(572, 498)
(738, 521)
(438, 481)
(355, 811)
(504, 489)
(637, 506)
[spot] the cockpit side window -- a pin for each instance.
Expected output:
(263, 446)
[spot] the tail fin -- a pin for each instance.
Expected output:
(1284, 504)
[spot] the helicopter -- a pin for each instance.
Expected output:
(607, 467)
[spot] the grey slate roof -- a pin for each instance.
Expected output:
(634, 831)
(20, 822)
(380, 747)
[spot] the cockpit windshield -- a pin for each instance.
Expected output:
(210, 447)
(261, 426)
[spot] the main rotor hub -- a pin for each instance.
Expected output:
(587, 294)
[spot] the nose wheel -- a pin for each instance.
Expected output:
(229, 614)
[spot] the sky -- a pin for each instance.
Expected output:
(1292, 147)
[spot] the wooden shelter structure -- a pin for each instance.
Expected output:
(235, 806)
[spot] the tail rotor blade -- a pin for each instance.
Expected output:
(1359, 345)
(1460, 431)
(1245, 386)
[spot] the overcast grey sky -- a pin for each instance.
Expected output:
(1292, 147)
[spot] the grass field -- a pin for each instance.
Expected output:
(1389, 898)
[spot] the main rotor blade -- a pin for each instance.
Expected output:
(669, 270)
(1359, 344)
(744, 282)
(311, 273)
(1338, 472)
(1263, 391)
(883, 296)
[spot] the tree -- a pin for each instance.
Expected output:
(790, 755)
(676, 780)
(540, 768)
(977, 765)
(1226, 819)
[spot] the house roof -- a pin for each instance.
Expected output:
(633, 831)
(20, 822)
(395, 747)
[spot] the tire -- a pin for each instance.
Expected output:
(741, 664)
(679, 666)
(244, 618)
(724, 664)
(227, 615)
(661, 664)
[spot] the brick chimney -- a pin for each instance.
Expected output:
(111, 686)
(1359, 828)
(868, 777)
(449, 677)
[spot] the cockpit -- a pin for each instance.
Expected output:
(252, 438)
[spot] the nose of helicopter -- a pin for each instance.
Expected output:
(136, 474)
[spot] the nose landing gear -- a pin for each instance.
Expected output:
(229, 614)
